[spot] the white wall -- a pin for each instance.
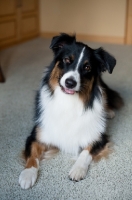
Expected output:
(88, 17)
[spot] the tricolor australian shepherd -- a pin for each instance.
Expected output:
(72, 107)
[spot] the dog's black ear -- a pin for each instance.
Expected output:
(58, 42)
(105, 60)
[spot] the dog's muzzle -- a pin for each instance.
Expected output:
(70, 82)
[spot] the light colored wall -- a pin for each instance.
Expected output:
(86, 17)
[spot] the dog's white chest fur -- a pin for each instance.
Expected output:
(66, 124)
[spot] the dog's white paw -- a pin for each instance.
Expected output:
(77, 173)
(80, 168)
(28, 177)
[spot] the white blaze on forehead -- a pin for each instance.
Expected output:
(73, 73)
(80, 57)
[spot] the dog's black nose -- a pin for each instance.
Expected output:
(70, 83)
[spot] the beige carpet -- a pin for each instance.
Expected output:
(109, 179)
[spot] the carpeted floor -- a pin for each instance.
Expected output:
(109, 179)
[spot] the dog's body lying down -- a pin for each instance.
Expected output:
(72, 107)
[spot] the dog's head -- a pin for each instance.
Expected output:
(76, 65)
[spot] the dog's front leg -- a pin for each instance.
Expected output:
(80, 168)
(28, 176)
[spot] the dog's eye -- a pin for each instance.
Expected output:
(66, 60)
(87, 68)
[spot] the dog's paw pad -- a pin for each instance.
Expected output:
(28, 177)
(78, 173)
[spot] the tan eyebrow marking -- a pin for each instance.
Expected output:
(86, 62)
(72, 57)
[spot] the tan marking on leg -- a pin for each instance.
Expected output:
(31, 162)
(104, 153)
(28, 176)
(37, 150)
(88, 148)
(50, 150)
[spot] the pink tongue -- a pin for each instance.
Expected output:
(69, 91)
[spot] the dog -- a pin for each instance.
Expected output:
(72, 108)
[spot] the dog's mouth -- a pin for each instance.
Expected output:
(68, 91)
